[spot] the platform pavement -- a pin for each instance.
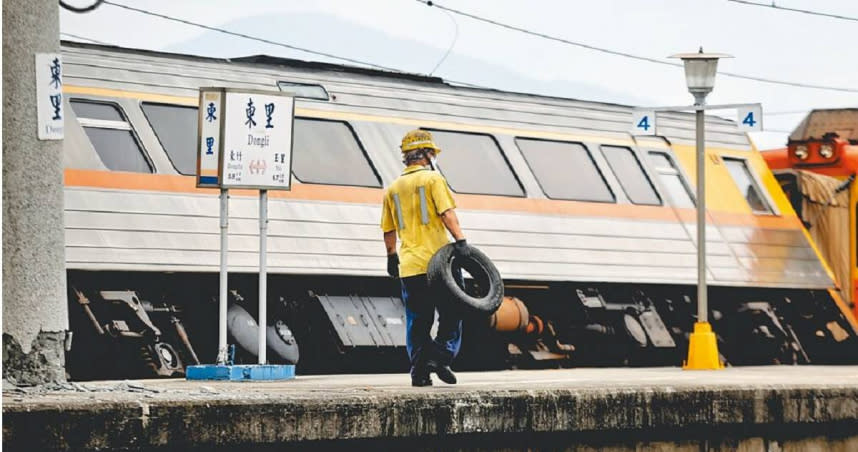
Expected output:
(624, 406)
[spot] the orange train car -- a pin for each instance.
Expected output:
(817, 170)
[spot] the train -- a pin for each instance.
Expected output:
(817, 171)
(591, 228)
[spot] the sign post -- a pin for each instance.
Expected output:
(222, 292)
(263, 273)
(245, 141)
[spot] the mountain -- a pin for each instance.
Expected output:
(332, 35)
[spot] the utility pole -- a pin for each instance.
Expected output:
(35, 304)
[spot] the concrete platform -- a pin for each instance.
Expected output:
(748, 408)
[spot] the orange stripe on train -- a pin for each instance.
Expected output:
(363, 195)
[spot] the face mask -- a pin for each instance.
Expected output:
(433, 162)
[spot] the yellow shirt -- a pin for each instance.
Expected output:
(412, 205)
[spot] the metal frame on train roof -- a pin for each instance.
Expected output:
(291, 62)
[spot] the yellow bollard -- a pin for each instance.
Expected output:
(703, 349)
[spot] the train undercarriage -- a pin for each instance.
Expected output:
(139, 325)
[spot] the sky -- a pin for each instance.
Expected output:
(411, 36)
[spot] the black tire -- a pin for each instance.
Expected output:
(487, 280)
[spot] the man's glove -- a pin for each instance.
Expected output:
(393, 265)
(461, 249)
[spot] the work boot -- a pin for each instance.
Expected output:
(419, 381)
(443, 371)
(420, 376)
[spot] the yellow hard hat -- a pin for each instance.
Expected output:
(418, 139)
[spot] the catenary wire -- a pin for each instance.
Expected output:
(242, 35)
(629, 55)
(453, 43)
(787, 112)
(430, 3)
(268, 41)
(796, 10)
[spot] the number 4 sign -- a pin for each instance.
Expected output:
(750, 118)
(643, 122)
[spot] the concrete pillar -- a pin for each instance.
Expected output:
(35, 308)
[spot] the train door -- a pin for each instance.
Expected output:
(827, 210)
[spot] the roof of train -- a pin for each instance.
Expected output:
(269, 60)
(843, 121)
(381, 90)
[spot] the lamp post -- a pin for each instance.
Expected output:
(700, 71)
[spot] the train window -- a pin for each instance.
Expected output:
(328, 152)
(96, 110)
(741, 175)
(671, 181)
(565, 170)
(175, 126)
(789, 185)
(631, 175)
(111, 136)
(304, 90)
(474, 163)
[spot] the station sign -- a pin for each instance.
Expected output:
(49, 96)
(245, 139)
(643, 122)
(209, 138)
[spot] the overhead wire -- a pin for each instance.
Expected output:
(786, 112)
(453, 43)
(272, 42)
(246, 36)
(475, 17)
(166, 17)
(628, 55)
(796, 10)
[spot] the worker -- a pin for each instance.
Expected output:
(417, 208)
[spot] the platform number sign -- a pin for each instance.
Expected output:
(750, 118)
(643, 122)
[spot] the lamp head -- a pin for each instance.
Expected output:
(700, 71)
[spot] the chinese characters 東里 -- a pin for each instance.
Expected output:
(56, 82)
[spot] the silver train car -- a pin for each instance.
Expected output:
(591, 228)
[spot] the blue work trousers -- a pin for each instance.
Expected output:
(420, 306)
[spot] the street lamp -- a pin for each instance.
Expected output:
(700, 71)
